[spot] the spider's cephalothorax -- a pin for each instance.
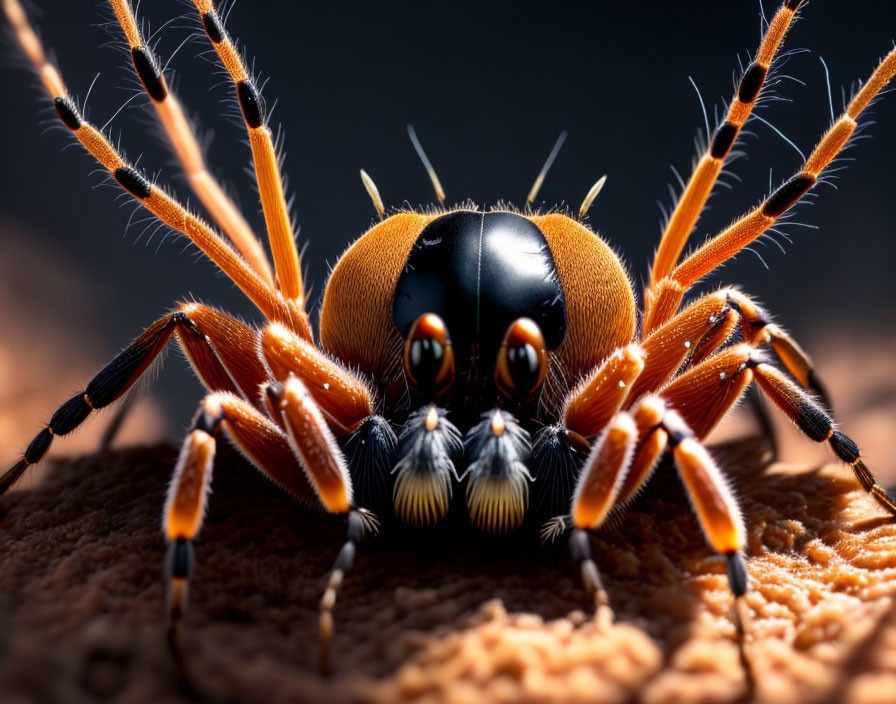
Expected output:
(493, 353)
(474, 311)
(500, 283)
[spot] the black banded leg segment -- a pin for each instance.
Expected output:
(185, 509)
(360, 522)
(759, 330)
(719, 516)
(580, 549)
(107, 386)
(818, 425)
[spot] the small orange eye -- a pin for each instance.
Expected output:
(429, 357)
(522, 361)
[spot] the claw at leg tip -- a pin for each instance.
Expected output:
(326, 635)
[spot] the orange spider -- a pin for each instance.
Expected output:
(494, 351)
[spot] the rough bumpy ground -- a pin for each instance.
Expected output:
(440, 617)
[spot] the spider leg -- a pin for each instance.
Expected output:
(589, 406)
(652, 442)
(693, 199)
(186, 146)
(659, 428)
(326, 469)
(132, 180)
(670, 290)
(604, 472)
(267, 169)
(655, 428)
(595, 493)
(618, 455)
(668, 347)
(558, 450)
(818, 425)
(704, 394)
(201, 332)
(271, 450)
(312, 394)
(345, 399)
(704, 326)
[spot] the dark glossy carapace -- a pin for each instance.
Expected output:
(479, 272)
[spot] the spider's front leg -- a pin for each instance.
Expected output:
(313, 394)
(621, 461)
(304, 459)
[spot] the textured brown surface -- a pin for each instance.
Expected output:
(439, 617)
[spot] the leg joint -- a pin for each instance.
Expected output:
(180, 559)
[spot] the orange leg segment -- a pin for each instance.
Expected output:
(669, 346)
(704, 177)
(267, 169)
(668, 292)
(652, 439)
(704, 394)
(186, 146)
(603, 472)
(344, 398)
(313, 443)
(603, 392)
(150, 196)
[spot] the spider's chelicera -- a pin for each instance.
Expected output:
(486, 360)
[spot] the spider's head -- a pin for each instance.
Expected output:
(475, 309)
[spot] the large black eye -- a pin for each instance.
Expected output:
(522, 361)
(429, 357)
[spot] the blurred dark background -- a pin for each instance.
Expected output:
(488, 86)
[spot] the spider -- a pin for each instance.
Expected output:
(492, 361)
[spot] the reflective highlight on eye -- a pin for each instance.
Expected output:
(429, 357)
(522, 361)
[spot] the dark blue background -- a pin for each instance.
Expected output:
(488, 86)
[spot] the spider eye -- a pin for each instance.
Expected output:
(522, 361)
(429, 357)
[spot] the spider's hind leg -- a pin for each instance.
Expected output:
(704, 394)
(219, 347)
(815, 422)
